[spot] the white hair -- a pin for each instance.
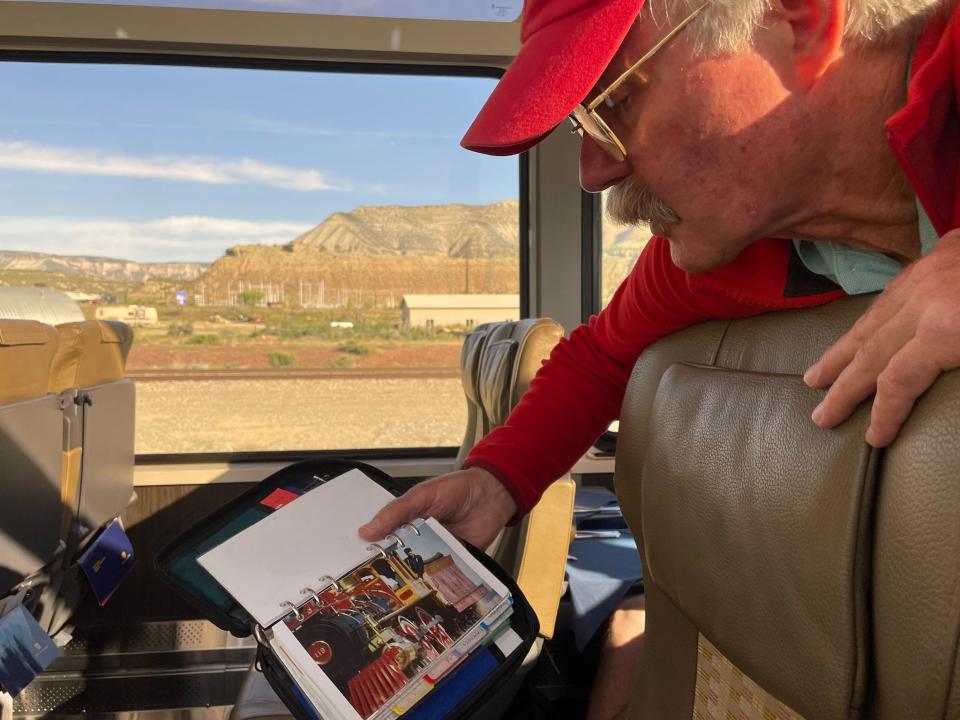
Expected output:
(728, 25)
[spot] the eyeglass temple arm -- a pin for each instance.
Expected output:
(646, 56)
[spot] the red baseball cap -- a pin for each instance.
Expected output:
(566, 45)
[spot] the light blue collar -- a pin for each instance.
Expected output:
(855, 270)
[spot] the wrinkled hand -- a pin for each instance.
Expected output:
(898, 348)
(471, 503)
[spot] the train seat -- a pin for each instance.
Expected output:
(791, 572)
(30, 441)
(99, 405)
(497, 363)
(95, 448)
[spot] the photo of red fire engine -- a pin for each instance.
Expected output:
(378, 626)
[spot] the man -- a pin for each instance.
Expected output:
(775, 150)
(414, 562)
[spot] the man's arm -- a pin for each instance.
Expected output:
(898, 348)
(579, 390)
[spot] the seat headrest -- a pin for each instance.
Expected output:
(90, 353)
(496, 373)
(27, 348)
(501, 360)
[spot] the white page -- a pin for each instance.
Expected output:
(290, 549)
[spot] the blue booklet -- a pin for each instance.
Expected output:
(25, 650)
(108, 560)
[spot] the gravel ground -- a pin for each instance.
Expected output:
(243, 415)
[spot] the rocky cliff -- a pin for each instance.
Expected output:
(108, 268)
(477, 231)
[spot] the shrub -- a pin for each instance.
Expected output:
(180, 329)
(353, 347)
(251, 298)
(279, 359)
(203, 340)
(343, 362)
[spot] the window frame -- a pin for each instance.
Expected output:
(591, 290)
(591, 253)
(88, 57)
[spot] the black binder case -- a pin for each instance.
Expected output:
(178, 564)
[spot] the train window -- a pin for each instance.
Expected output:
(498, 11)
(622, 245)
(276, 238)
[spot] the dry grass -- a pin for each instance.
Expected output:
(264, 415)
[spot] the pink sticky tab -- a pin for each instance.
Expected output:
(278, 498)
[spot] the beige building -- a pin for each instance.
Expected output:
(130, 314)
(429, 311)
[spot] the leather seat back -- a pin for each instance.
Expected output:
(89, 353)
(25, 359)
(790, 571)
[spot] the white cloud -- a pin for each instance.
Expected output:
(170, 239)
(32, 157)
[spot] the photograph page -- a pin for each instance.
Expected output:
(375, 641)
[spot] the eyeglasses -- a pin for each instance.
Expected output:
(585, 119)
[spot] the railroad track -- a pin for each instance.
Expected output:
(303, 374)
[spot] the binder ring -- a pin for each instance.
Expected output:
(293, 609)
(331, 580)
(377, 548)
(412, 527)
(313, 594)
(399, 542)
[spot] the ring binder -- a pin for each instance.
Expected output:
(385, 621)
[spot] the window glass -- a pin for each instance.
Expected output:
(496, 11)
(277, 239)
(622, 245)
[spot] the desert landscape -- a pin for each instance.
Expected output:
(302, 345)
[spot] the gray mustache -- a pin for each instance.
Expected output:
(631, 203)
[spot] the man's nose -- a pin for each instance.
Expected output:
(598, 169)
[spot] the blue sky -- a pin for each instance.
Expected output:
(164, 163)
(496, 10)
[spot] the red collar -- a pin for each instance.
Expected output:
(925, 133)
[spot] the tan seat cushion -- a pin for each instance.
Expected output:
(89, 353)
(27, 348)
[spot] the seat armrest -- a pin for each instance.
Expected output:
(544, 557)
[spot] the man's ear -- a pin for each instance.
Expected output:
(817, 28)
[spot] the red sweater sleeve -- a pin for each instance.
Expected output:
(579, 389)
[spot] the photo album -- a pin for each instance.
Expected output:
(366, 631)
